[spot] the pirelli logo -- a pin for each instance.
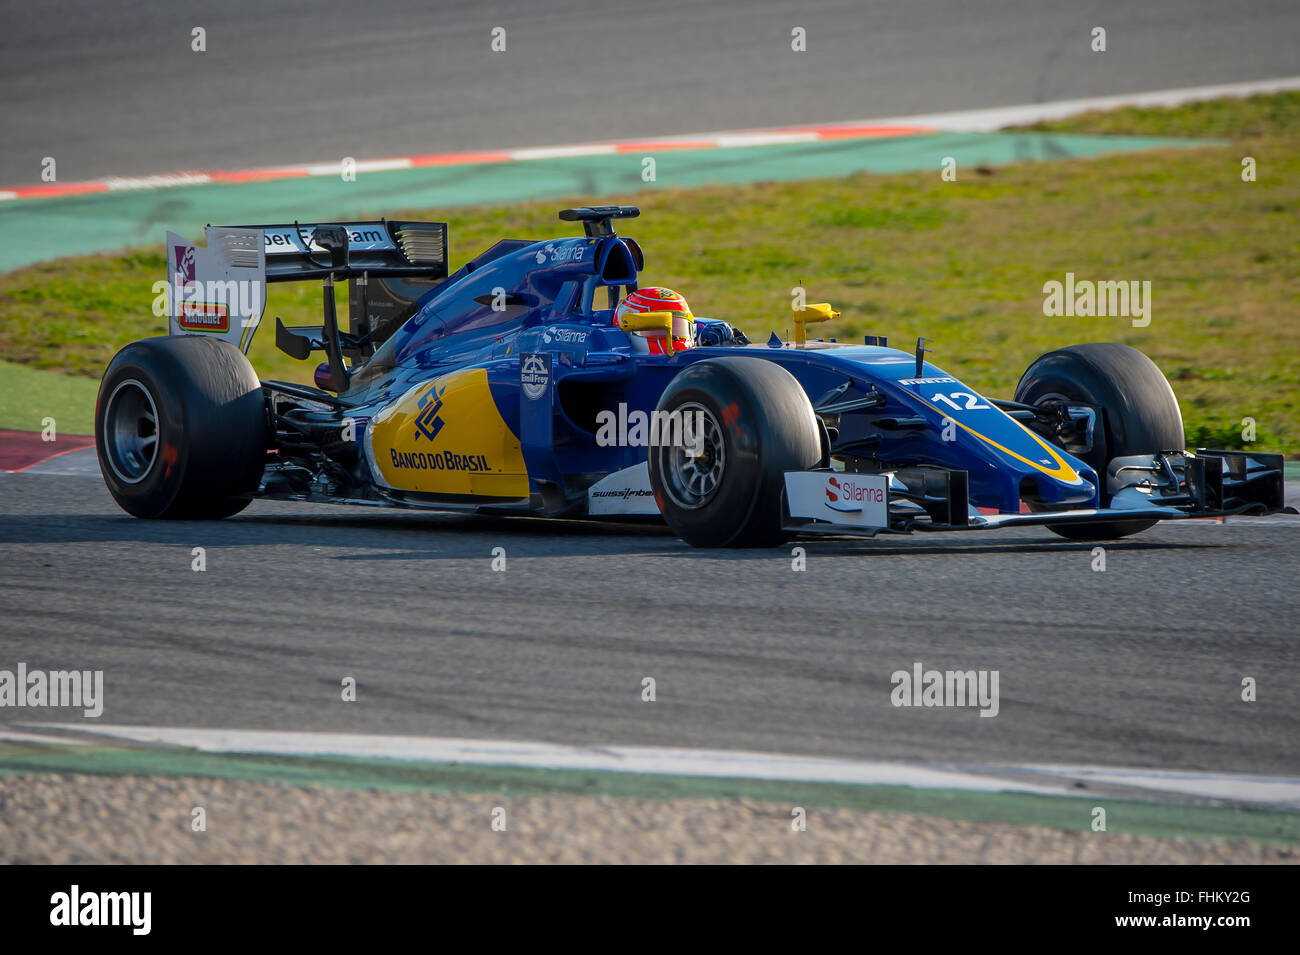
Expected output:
(926, 381)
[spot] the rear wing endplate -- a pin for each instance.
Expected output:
(220, 291)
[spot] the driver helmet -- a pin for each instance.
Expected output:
(655, 299)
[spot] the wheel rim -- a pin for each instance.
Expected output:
(131, 431)
(691, 480)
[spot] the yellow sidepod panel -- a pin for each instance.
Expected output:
(446, 437)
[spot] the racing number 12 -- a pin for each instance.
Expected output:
(973, 402)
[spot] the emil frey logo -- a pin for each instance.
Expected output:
(534, 375)
(844, 494)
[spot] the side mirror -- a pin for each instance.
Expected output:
(660, 322)
(811, 315)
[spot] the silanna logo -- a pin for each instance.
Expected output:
(428, 422)
(565, 253)
(845, 494)
(563, 336)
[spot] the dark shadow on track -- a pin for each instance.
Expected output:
(559, 536)
(862, 548)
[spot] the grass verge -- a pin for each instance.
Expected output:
(961, 262)
(1058, 812)
(30, 395)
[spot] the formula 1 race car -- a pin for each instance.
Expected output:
(509, 386)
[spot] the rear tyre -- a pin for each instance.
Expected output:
(180, 427)
(757, 424)
(1137, 413)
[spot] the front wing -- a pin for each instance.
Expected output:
(1167, 486)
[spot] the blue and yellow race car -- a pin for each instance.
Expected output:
(525, 381)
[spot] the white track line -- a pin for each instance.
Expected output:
(1278, 790)
(988, 120)
(159, 181)
(79, 462)
(15, 736)
(1043, 780)
(564, 152)
(961, 121)
(359, 166)
(631, 759)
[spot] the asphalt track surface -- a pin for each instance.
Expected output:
(113, 88)
(1139, 665)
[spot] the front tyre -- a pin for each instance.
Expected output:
(180, 428)
(747, 421)
(1137, 413)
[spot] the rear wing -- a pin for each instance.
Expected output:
(220, 290)
(295, 252)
